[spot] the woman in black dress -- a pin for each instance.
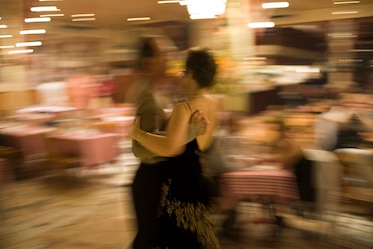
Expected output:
(184, 219)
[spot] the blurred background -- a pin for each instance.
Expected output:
(296, 73)
(325, 42)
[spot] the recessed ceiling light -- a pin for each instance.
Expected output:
(52, 15)
(38, 19)
(44, 8)
(205, 9)
(342, 35)
(6, 36)
(346, 2)
(202, 16)
(27, 44)
(6, 46)
(3, 26)
(168, 1)
(83, 19)
(275, 5)
(82, 15)
(32, 31)
(254, 25)
(22, 51)
(344, 12)
(132, 19)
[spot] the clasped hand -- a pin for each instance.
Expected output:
(199, 121)
(197, 118)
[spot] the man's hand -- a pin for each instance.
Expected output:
(133, 127)
(200, 122)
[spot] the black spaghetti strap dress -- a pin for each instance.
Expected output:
(184, 219)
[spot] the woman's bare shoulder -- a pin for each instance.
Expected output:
(182, 105)
(181, 108)
(206, 100)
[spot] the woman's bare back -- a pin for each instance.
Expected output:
(210, 106)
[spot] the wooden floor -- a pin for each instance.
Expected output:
(92, 209)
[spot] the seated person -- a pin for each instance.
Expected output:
(276, 146)
(233, 144)
(288, 153)
(345, 124)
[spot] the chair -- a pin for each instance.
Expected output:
(57, 160)
(327, 174)
(357, 179)
(13, 157)
(292, 99)
(52, 93)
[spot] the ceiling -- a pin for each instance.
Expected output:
(114, 13)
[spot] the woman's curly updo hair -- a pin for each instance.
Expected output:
(201, 64)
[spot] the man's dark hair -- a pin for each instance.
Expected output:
(202, 65)
(146, 49)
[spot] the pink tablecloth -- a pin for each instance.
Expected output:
(46, 109)
(35, 118)
(113, 111)
(278, 185)
(117, 124)
(94, 149)
(28, 139)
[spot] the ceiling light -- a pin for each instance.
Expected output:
(132, 19)
(52, 15)
(32, 31)
(29, 44)
(22, 51)
(82, 15)
(202, 9)
(202, 16)
(307, 70)
(6, 46)
(50, 0)
(44, 8)
(275, 5)
(3, 26)
(83, 19)
(6, 36)
(38, 19)
(344, 12)
(168, 1)
(254, 25)
(346, 2)
(342, 35)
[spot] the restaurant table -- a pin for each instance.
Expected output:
(34, 118)
(100, 113)
(28, 139)
(273, 185)
(27, 144)
(93, 147)
(114, 124)
(46, 109)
